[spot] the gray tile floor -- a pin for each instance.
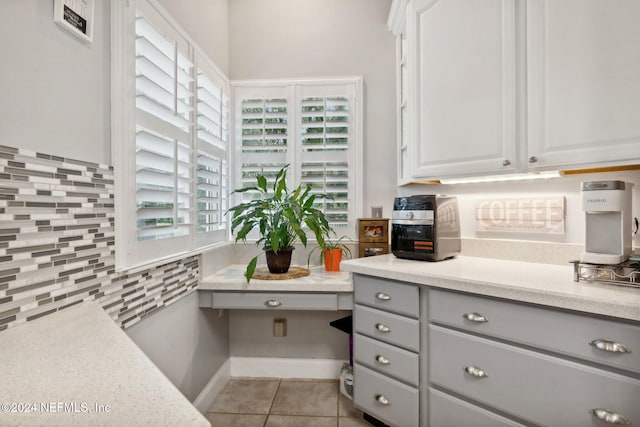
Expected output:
(268, 402)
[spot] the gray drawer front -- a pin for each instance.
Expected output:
(387, 295)
(274, 301)
(402, 410)
(448, 411)
(403, 331)
(386, 359)
(553, 330)
(536, 387)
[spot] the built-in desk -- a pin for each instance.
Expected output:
(321, 290)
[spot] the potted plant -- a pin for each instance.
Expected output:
(281, 218)
(331, 253)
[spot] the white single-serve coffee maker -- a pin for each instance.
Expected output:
(607, 206)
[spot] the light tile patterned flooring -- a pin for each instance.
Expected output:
(269, 402)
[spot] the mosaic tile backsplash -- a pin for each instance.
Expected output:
(57, 244)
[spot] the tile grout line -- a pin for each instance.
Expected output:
(273, 400)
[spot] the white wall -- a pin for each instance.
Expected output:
(187, 343)
(55, 87)
(326, 38)
(206, 21)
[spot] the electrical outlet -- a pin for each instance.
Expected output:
(279, 327)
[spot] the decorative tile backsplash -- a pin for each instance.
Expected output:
(57, 244)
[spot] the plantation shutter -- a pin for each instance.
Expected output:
(213, 141)
(326, 135)
(263, 133)
(170, 139)
(163, 120)
(311, 125)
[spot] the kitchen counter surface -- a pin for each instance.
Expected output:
(76, 367)
(546, 284)
(232, 278)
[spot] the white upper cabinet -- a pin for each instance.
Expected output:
(462, 98)
(502, 86)
(583, 77)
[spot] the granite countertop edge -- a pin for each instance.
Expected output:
(544, 284)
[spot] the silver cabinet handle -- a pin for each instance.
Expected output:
(506, 162)
(610, 417)
(382, 296)
(475, 372)
(382, 360)
(475, 317)
(272, 303)
(383, 328)
(533, 159)
(383, 400)
(610, 346)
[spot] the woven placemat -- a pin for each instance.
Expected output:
(293, 273)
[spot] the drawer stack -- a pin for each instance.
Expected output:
(386, 347)
(537, 365)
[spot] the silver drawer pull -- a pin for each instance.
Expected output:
(382, 360)
(610, 346)
(610, 417)
(272, 303)
(475, 372)
(382, 400)
(383, 328)
(382, 296)
(475, 317)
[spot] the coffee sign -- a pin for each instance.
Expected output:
(524, 215)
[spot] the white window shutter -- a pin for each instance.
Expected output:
(174, 121)
(316, 129)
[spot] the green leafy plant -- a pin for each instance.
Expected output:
(281, 217)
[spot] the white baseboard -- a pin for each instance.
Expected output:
(213, 388)
(282, 367)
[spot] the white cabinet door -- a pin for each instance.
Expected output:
(462, 75)
(583, 78)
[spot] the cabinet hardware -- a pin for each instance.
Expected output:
(610, 346)
(533, 159)
(382, 296)
(383, 400)
(272, 303)
(382, 360)
(475, 317)
(609, 417)
(506, 162)
(475, 372)
(383, 328)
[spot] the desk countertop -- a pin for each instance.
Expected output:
(232, 278)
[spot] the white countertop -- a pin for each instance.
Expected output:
(232, 278)
(545, 284)
(74, 363)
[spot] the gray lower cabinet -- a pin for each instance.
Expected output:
(595, 339)
(458, 359)
(539, 388)
(386, 350)
(534, 364)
